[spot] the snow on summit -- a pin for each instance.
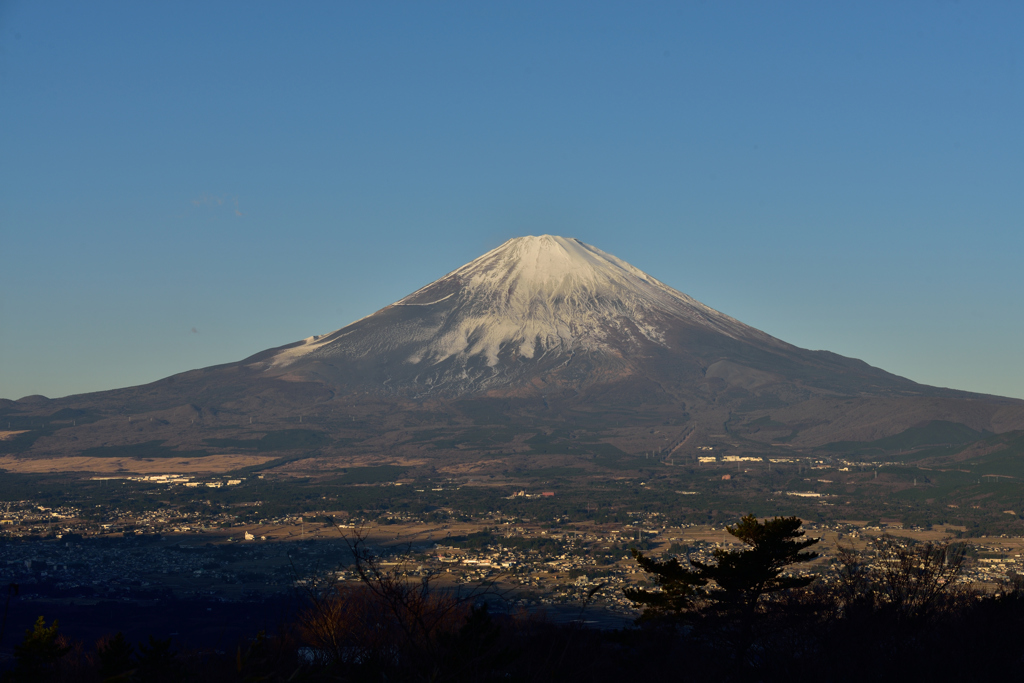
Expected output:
(531, 296)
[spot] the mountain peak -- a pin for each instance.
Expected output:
(545, 266)
(535, 269)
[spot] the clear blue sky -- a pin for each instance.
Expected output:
(184, 184)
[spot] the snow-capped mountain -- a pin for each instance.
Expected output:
(542, 330)
(529, 303)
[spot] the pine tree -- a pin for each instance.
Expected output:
(37, 656)
(744, 576)
(678, 586)
(741, 577)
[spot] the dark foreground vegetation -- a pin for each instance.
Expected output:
(896, 611)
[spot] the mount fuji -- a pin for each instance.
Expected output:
(533, 305)
(542, 332)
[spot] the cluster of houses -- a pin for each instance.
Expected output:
(552, 563)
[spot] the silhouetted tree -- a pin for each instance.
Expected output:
(114, 656)
(37, 656)
(916, 579)
(743, 576)
(397, 627)
(677, 586)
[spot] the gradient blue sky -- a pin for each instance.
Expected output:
(184, 184)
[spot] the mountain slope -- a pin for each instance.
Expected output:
(541, 305)
(538, 334)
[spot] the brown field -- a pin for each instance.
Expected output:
(210, 463)
(5, 435)
(315, 465)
